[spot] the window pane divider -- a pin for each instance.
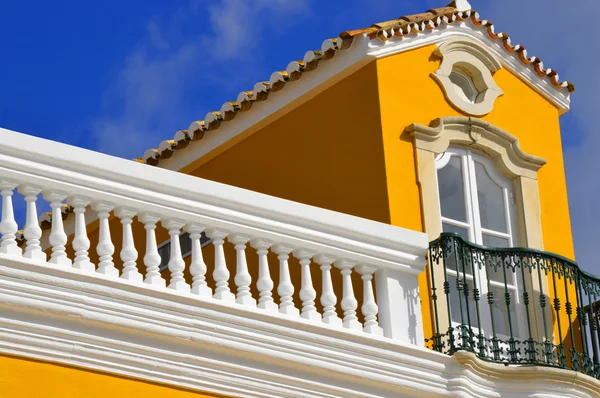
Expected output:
(456, 223)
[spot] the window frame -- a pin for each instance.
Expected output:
(480, 65)
(476, 231)
(505, 152)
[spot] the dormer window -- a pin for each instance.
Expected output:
(464, 84)
(465, 76)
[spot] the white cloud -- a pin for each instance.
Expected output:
(147, 101)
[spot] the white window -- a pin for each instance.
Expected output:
(466, 76)
(477, 202)
(464, 84)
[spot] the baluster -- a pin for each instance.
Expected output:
(105, 248)
(349, 303)
(176, 264)
(58, 238)
(81, 243)
(32, 231)
(8, 225)
(152, 258)
(220, 273)
(242, 276)
(307, 292)
(369, 308)
(328, 298)
(285, 289)
(129, 254)
(264, 283)
(198, 266)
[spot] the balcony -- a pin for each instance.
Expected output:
(278, 293)
(276, 299)
(514, 306)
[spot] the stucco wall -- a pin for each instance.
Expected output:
(26, 378)
(408, 94)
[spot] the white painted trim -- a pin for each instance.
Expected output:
(560, 97)
(480, 64)
(361, 52)
(65, 316)
(175, 195)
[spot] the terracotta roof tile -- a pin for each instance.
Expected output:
(404, 26)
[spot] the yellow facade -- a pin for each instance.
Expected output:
(347, 150)
(33, 379)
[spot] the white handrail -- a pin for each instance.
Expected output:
(181, 201)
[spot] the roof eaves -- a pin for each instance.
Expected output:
(384, 31)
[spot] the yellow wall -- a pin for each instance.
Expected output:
(26, 378)
(328, 152)
(408, 94)
(346, 150)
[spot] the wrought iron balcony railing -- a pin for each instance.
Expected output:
(513, 306)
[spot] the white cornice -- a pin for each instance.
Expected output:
(64, 316)
(361, 52)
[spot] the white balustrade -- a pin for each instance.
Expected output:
(328, 298)
(176, 263)
(129, 254)
(307, 292)
(8, 225)
(58, 237)
(221, 273)
(105, 247)
(198, 266)
(81, 242)
(387, 258)
(32, 231)
(265, 283)
(349, 302)
(369, 308)
(152, 258)
(285, 288)
(242, 276)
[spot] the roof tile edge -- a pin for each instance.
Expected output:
(403, 26)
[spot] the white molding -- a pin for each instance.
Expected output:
(345, 62)
(560, 97)
(480, 64)
(471, 132)
(176, 195)
(65, 316)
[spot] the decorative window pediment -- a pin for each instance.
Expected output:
(498, 144)
(465, 75)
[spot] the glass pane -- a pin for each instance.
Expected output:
(463, 232)
(491, 201)
(464, 84)
(501, 313)
(458, 301)
(452, 194)
(165, 255)
(495, 266)
(456, 262)
(494, 241)
(185, 243)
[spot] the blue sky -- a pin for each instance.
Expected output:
(120, 76)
